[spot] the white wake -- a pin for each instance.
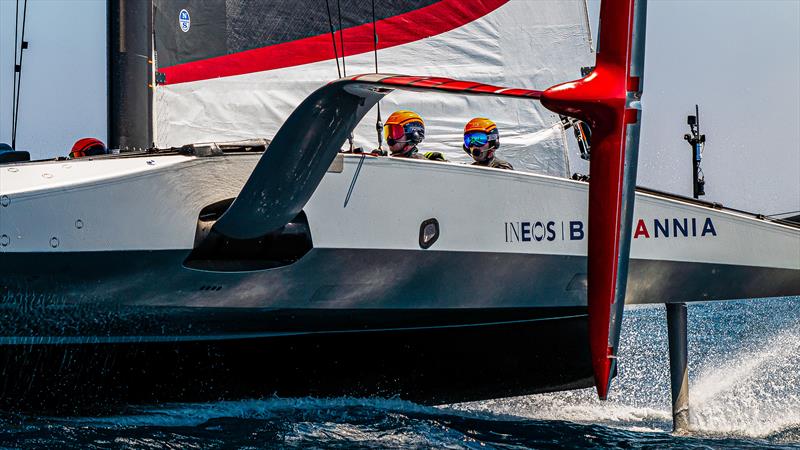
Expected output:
(744, 368)
(757, 393)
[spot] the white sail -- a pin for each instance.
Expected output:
(520, 44)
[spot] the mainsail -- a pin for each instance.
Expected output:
(235, 70)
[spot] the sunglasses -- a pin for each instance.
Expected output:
(475, 139)
(413, 132)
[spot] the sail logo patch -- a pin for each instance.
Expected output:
(184, 20)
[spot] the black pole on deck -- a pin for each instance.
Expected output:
(130, 93)
(678, 365)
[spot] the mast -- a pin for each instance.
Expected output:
(130, 96)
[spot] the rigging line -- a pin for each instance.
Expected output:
(379, 122)
(19, 75)
(333, 39)
(353, 182)
(341, 37)
(344, 64)
(14, 89)
(374, 37)
(783, 213)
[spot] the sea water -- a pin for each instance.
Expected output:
(744, 387)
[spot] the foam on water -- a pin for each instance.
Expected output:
(345, 422)
(182, 414)
(744, 377)
(757, 393)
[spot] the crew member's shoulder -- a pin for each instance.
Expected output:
(498, 163)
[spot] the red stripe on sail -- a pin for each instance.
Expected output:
(408, 27)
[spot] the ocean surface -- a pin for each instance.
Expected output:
(744, 373)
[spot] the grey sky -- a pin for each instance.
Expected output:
(63, 94)
(740, 60)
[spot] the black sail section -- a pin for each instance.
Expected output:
(206, 38)
(220, 27)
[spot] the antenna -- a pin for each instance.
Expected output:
(698, 142)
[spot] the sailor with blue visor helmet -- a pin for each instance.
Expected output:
(481, 140)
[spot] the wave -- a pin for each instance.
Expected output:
(753, 394)
(744, 377)
(744, 392)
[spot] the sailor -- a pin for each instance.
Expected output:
(87, 147)
(404, 130)
(481, 140)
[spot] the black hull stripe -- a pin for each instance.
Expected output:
(422, 365)
(71, 340)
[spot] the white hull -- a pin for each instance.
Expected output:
(103, 304)
(514, 227)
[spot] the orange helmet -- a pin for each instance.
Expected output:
(477, 133)
(403, 117)
(480, 124)
(404, 126)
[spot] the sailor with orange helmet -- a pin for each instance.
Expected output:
(481, 140)
(404, 130)
(87, 147)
